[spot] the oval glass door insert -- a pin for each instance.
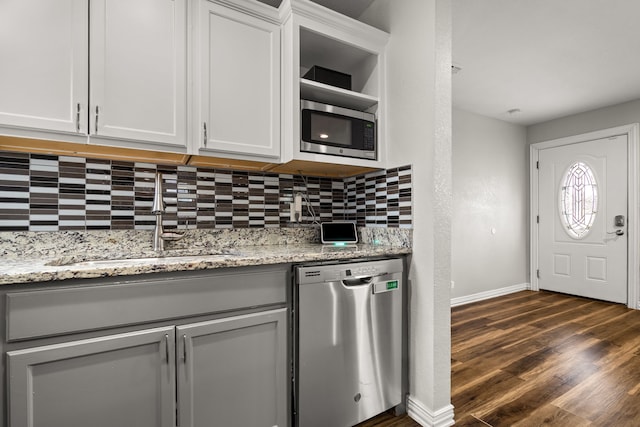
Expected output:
(578, 200)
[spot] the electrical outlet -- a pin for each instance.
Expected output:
(295, 209)
(297, 201)
(292, 212)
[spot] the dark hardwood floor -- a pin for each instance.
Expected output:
(542, 359)
(388, 419)
(545, 359)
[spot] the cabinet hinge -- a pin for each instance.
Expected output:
(538, 165)
(538, 274)
(538, 219)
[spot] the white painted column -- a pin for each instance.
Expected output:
(419, 133)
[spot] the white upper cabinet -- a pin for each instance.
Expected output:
(316, 36)
(218, 78)
(138, 70)
(43, 76)
(237, 80)
(115, 71)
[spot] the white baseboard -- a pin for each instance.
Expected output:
(443, 417)
(489, 294)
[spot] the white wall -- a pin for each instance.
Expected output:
(419, 133)
(490, 191)
(603, 118)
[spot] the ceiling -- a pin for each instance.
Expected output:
(547, 58)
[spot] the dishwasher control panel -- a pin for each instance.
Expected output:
(356, 270)
(362, 271)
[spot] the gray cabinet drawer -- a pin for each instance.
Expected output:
(41, 313)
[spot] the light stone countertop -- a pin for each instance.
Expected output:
(31, 257)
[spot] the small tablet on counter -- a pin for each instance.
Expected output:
(338, 233)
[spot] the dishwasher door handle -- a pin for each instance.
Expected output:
(357, 282)
(377, 276)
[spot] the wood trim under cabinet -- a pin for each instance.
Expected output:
(57, 148)
(295, 167)
(330, 170)
(235, 164)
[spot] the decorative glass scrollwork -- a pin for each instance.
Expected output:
(578, 200)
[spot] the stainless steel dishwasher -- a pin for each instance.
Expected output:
(347, 341)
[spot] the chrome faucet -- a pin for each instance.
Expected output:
(158, 209)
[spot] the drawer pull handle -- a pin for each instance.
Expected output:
(78, 117)
(166, 346)
(206, 137)
(97, 115)
(184, 348)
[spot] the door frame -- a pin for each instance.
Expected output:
(633, 214)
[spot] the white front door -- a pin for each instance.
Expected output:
(582, 200)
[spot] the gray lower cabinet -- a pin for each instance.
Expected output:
(233, 371)
(201, 349)
(115, 380)
(229, 372)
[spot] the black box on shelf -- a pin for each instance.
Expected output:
(329, 77)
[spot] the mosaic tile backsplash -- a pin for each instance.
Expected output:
(52, 193)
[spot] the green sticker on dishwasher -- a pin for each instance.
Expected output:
(392, 285)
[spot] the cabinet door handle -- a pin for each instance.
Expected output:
(205, 133)
(184, 348)
(166, 346)
(78, 117)
(97, 115)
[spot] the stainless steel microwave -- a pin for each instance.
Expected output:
(338, 131)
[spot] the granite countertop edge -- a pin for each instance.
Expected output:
(39, 270)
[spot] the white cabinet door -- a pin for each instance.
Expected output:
(138, 70)
(43, 76)
(232, 372)
(117, 380)
(237, 84)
